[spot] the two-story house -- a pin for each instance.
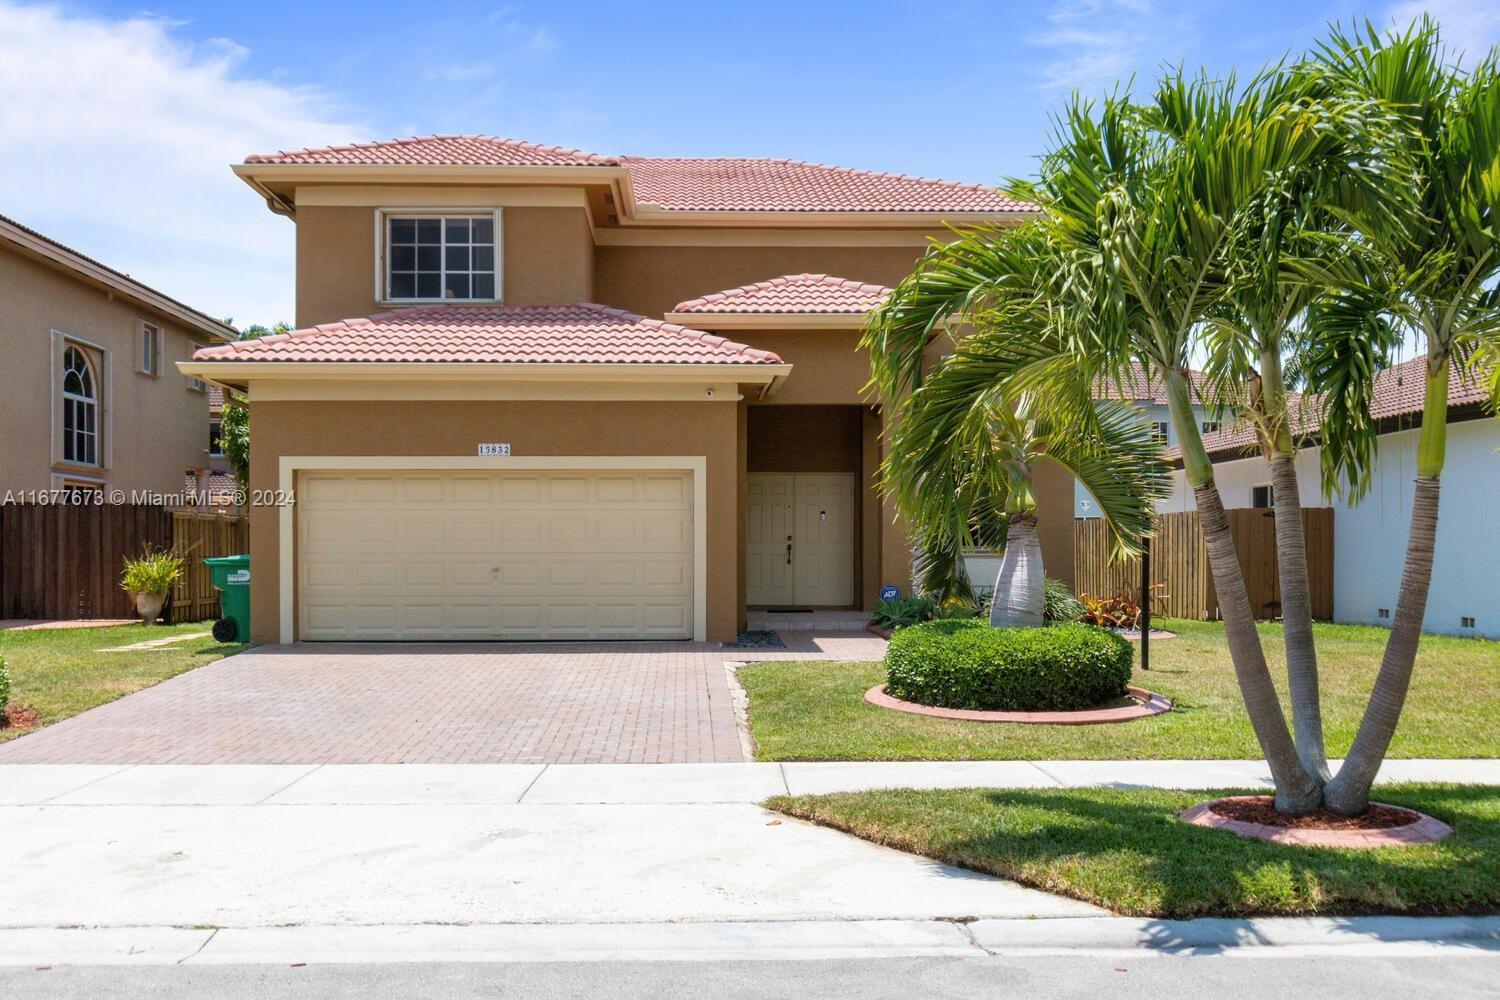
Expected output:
(536, 393)
(89, 398)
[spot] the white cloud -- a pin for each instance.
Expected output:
(1470, 27)
(1098, 42)
(116, 137)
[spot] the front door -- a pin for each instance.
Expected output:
(800, 539)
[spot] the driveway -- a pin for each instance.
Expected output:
(327, 703)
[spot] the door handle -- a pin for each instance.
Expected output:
(788, 550)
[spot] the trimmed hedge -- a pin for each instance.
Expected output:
(967, 664)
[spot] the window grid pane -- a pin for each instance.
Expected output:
(441, 257)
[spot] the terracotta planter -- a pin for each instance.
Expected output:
(149, 606)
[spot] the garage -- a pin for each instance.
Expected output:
(518, 554)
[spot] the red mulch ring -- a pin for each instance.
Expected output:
(17, 716)
(1262, 809)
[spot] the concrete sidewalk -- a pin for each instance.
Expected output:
(1120, 937)
(623, 784)
(344, 862)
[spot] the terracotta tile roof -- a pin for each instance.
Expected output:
(679, 184)
(737, 184)
(792, 293)
(583, 333)
(215, 397)
(442, 150)
(218, 489)
(1399, 391)
(1136, 387)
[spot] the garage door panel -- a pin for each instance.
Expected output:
(508, 555)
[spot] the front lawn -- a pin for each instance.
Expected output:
(811, 710)
(59, 672)
(1127, 851)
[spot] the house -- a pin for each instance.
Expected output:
(537, 393)
(1150, 396)
(89, 398)
(1369, 537)
(214, 485)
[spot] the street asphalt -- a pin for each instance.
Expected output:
(1456, 975)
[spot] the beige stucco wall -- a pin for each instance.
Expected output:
(154, 427)
(532, 428)
(546, 256)
(650, 280)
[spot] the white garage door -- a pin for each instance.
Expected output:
(494, 555)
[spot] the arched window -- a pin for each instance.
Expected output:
(80, 409)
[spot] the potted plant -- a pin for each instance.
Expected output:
(149, 579)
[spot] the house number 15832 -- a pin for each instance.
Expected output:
(494, 449)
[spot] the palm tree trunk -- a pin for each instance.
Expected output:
(1296, 791)
(1349, 791)
(1296, 619)
(1020, 587)
(1291, 561)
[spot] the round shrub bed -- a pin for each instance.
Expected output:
(967, 664)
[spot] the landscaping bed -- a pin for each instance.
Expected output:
(1129, 851)
(808, 710)
(56, 673)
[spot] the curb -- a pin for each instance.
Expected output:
(741, 941)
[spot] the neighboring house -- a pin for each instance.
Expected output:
(1151, 398)
(89, 396)
(536, 393)
(214, 484)
(1369, 538)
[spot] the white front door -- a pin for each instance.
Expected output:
(799, 546)
(768, 539)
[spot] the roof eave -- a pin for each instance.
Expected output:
(236, 374)
(768, 321)
(56, 253)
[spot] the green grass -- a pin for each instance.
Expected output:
(810, 710)
(59, 672)
(1127, 850)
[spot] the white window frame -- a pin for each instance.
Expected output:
(101, 360)
(1209, 426)
(1161, 431)
(149, 342)
(382, 251)
(1270, 489)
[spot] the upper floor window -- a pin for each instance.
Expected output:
(1160, 431)
(150, 349)
(215, 442)
(1263, 497)
(433, 258)
(80, 402)
(1210, 426)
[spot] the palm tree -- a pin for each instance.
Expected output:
(1436, 275)
(965, 444)
(1146, 207)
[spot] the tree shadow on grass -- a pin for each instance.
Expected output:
(1127, 850)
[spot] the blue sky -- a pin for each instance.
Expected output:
(117, 122)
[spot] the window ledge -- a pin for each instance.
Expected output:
(439, 302)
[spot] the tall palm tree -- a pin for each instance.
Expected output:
(1145, 208)
(965, 443)
(1437, 275)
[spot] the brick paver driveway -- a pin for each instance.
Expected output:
(443, 703)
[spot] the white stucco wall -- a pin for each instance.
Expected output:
(1369, 539)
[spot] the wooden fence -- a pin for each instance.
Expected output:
(64, 561)
(1179, 561)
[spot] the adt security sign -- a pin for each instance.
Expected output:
(890, 592)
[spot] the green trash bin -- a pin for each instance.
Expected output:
(231, 578)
